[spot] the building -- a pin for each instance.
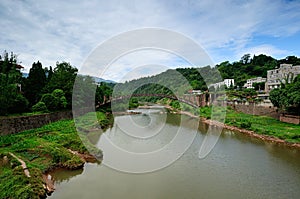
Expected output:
(286, 72)
(195, 92)
(249, 83)
(227, 82)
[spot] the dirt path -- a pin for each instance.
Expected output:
(23, 165)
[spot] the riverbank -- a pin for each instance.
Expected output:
(261, 127)
(56, 145)
(264, 128)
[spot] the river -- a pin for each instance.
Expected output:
(237, 167)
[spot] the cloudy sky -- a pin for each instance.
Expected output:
(51, 31)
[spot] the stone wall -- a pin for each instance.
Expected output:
(257, 110)
(10, 125)
(290, 119)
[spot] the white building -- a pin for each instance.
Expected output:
(196, 92)
(280, 75)
(227, 82)
(249, 83)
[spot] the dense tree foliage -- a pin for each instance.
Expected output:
(173, 81)
(55, 101)
(181, 80)
(247, 68)
(103, 92)
(45, 89)
(35, 83)
(11, 99)
(63, 78)
(288, 96)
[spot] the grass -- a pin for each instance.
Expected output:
(42, 149)
(260, 124)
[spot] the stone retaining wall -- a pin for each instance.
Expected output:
(257, 110)
(290, 119)
(10, 125)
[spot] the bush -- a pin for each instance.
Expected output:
(19, 104)
(246, 125)
(39, 107)
(55, 101)
(58, 93)
(63, 102)
(50, 101)
(175, 104)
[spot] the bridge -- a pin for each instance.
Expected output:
(190, 99)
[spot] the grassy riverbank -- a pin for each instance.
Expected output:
(263, 125)
(42, 149)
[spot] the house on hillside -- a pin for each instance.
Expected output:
(285, 73)
(249, 83)
(195, 92)
(226, 82)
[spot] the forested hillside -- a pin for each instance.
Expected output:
(181, 80)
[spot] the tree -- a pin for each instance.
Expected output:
(259, 86)
(35, 83)
(287, 97)
(11, 99)
(39, 107)
(63, 78)
(54, 101)
(290, 60)
(276, 96)
(84, 92)
(48, 73)
(246, 59)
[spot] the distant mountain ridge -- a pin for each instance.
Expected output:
(25, 75)
(99, 80)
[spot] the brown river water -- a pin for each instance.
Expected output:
(237, 167)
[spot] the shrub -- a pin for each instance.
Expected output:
(50, 101)
(62, 102)
(175, 104)
(246, 125)
(58, 93)
(19, 104)
(55, 101)
(39, 107)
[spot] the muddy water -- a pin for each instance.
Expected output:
(238, 167)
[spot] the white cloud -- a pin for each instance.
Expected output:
(264, 49)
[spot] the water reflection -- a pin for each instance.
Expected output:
(63, 175)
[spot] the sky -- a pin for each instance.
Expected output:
(51, 31)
